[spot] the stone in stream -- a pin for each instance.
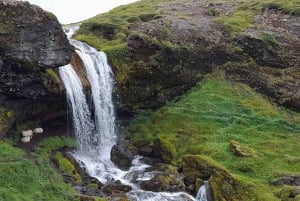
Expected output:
(122, 155)
(166, 178)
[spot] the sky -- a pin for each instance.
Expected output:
(69, 11)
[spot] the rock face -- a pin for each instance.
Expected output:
(32, 44)
(36, 38)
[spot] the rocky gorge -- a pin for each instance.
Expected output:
(205, 90)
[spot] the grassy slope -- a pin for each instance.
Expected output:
(119, 19)
(23, 179)
(215, 112)
(243, 16)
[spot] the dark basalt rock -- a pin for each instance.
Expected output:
(37, 38)
(122, 155)
(116, 188)
(32, 45)
(291, 180)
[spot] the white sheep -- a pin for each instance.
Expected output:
(38, 130)
(25, 139)
(27, 133)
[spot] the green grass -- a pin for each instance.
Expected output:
(215, 112)
(23, 179)
(66, 166)
(243, 16)
(110, 29)
(9, 153)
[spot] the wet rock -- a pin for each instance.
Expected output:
(31, 47)
(116, 188)
(291, 180)
(36, 39)
(122, 155)
(145, 151)
(240, 150)
(166, 178)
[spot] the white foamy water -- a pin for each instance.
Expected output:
(94, 126)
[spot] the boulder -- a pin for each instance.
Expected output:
(289, 193)
(32, 46)
(116, 188)
(291, 180)
(122, 155)
(166, 179)
(241, 150)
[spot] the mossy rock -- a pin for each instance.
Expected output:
(224, 186)
(66, 166)
(164, 150)
(166, 179)
(198, 166)
(289, 193)
(241, 150)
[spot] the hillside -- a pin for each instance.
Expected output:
(235, 66)
(160, 49)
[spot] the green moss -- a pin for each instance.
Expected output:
(5, 117)
(53, 75)
(9, 114)
(241, 150)
(120, 19)
(289, 193)
(237, 21)
(92, 185)
(268, 38)
(67, 167)
(243, 16)
(289, 7)
(165, 150)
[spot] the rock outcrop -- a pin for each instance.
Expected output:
(32, 45)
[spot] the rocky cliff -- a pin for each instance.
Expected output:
(160, 49)
(32, 45)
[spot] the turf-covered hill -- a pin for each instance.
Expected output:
(238, 126)
(159, 49)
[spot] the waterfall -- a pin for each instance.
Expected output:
(81, 115)
(95, 131)
(204, 193)
(100, 76)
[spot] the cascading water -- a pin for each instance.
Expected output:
(95, 131)
(202, 194)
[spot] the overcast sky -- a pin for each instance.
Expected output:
(68, 11)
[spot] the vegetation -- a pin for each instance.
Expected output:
(243, 16)
(109, 30)
(67, 167)
(23, 179)
(53, 75)
(216, 112)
